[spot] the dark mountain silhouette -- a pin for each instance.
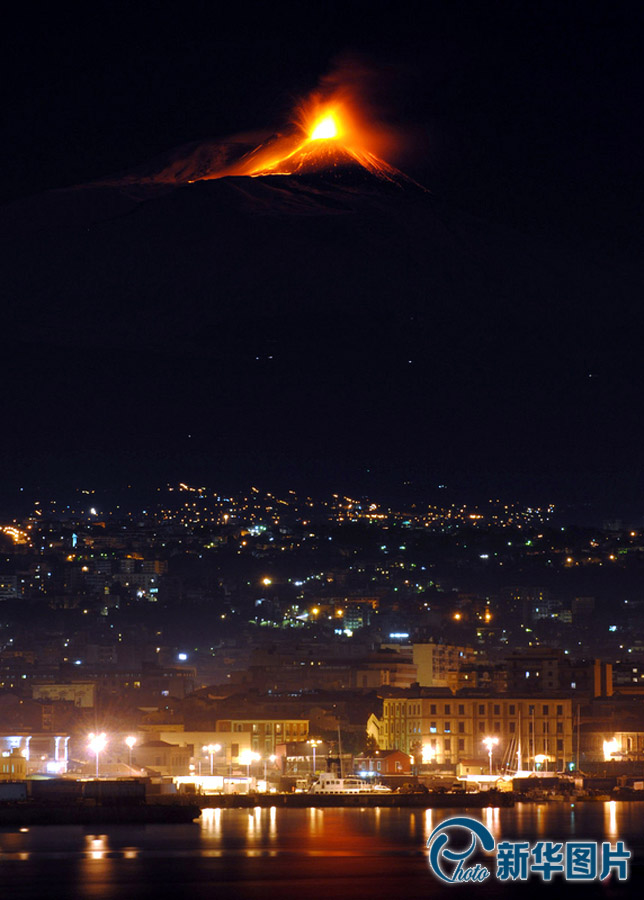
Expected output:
(335, 313)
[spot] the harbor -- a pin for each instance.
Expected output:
(60, 801)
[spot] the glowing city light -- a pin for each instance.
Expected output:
(211, 749)
(96, 744)
(429, 753)
(610, 748)
(490, 743)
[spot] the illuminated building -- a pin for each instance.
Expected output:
(454, 725)
(435, 662)
(44, 753)
(265, 734)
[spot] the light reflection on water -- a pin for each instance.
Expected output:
(332, 830)
(328, 850)
(610, 818)
(96, 846)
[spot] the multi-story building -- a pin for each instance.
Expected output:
(235, 738)
(265, 734)
(491, 677)
(435, 662)
(535, 668)
(445, 728)
(541, 669)
(232, 747)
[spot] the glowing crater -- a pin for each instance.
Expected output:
(324, 129)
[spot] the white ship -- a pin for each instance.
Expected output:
(330, 783)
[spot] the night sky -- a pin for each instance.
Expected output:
(523, 121)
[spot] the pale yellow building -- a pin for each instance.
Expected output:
(264, 734)
(445, 728)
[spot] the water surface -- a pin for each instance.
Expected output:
(308, 854)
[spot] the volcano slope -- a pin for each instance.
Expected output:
(330, 311)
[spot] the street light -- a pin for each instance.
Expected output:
(490, 743)
(268, 759)
(246, 758)
(314, 744)
(211, 749)
(97, 743)
(428, 753)
(130, 741)
(540, 759)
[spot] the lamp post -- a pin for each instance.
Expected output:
(211, 749)
(268, 759)
(490, 743)
(97, 743)
(314, 744)
(130, 741)
(246, 758)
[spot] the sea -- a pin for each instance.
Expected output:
(308, 854)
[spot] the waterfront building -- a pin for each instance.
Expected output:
(443, 728)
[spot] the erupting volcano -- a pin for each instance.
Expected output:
(327, 137)
(333, 134)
